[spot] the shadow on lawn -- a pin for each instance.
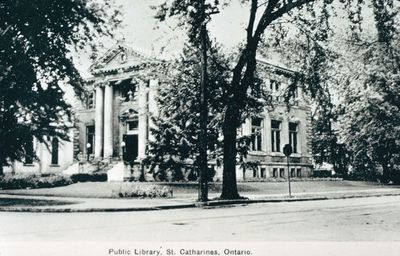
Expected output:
(22, 202)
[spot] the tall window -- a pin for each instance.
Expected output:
(256, 131)
(276, 135)
(281, 172)
(293, 172)
(274, 85)
(263, 173)
(29, 151)
(299, 172)
(275, 172)
(133, 124)
(293, 136)
(54, 151)
(90, 100)
(90, 139)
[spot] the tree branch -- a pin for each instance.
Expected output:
(5, 31)
(288, 7)
(253, 12)
(265, 19)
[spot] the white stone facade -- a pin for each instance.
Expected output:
(121, 118)
(52, 158)
(115, 122)
(277, 127)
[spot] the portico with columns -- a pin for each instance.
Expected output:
(124, 87)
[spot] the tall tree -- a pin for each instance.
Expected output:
(243, 74)
(371, 121)
(197, 14)
(263, 17)
(36, 42)
(176, 143)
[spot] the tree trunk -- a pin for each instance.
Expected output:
(1, 170)
(240, 84)
(229, 186)
(385, 172)
(203, 165)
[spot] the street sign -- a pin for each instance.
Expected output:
(287, 150)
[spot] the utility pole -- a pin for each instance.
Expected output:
(203, 163)
(287, 150)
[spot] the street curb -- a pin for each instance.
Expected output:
(205, 205)
(72, 210)
(284, 200)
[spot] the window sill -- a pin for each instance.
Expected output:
(277, 154)
(54, 165)
(257, 152)
(29, 165)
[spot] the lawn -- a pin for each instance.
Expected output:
(185, 190)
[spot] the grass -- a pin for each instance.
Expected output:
(186, 190)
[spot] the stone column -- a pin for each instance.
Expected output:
(267, 147)
(246, 127)
(98, 147)
(108, 121)
(153, 87)
(143, 124)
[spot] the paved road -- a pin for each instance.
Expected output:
(363, 219)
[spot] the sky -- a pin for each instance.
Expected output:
(165, 39)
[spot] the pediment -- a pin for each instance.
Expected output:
(120, 57)
(128, 113)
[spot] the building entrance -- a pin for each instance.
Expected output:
(131, 147)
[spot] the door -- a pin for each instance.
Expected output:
(90, 139)
(131, 147)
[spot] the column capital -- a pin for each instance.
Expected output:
(102, 84)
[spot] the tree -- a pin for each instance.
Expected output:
(36, 42)
(371, 108)
(176, 145)
(197, 14)
(264, 16)
(326, 145)
(243, 78)
(243, 75)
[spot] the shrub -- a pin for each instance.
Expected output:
(89, 177)
(142, 191)
(21, 181)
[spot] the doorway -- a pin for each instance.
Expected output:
(131, 147)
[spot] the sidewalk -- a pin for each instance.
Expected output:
(114, 205)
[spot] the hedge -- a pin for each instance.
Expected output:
(142, 191)
(22, 181)
(89, 177)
